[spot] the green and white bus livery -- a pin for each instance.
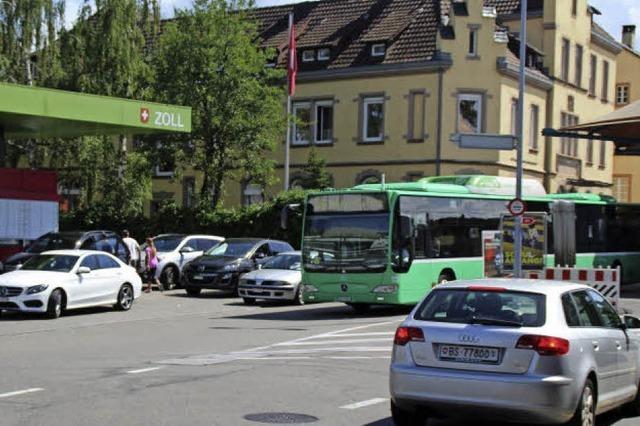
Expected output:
(390, 244)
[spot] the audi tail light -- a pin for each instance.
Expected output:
(405, 335)
(544, 345)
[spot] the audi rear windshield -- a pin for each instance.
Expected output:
(486, 307)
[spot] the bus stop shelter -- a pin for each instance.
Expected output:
(622, 127)
(28, 112)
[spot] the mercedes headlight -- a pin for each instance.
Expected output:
(308, 288)
(37, 289)
(230, 267)
(388, 289)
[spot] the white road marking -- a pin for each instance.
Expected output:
(376, 333)
(264, 352)
(358, 357)
(366, 403)
(143, 370)
(20, 392)
(332, 342)
(272, 358)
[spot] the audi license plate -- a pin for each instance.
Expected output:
(472, 354)
(3, 299)
(198, 277)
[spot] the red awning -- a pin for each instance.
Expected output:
(24, 184)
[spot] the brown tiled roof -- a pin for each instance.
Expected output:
(349, 27)
(510, 7)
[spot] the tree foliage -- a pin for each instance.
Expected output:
(314, 173)
(208, 58)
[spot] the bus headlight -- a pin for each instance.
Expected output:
(386, 289)
(308, 288)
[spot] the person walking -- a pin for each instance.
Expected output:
(134, 249)
(151, 260)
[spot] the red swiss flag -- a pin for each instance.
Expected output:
(144, 115)
(292, 67)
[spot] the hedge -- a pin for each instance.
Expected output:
(261, 220)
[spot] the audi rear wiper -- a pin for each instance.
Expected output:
(493, 321)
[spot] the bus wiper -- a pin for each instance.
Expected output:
(493, 321)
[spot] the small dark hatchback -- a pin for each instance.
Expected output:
(107, 241)
(221, 267)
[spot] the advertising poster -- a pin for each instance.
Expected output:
(491, 254)
(534, 244)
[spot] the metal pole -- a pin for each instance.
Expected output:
(288, 137)
(517, 234)
(3, 148)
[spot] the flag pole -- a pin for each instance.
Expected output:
(288, 137)
(517, 234)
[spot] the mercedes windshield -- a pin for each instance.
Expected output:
(346, 232)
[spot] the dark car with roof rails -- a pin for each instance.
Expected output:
(221, 267)
(106, 241)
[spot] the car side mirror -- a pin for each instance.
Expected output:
(259, 266)
(631, 322)
(83, 270)
(187, 249)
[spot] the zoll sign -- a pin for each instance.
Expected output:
(173, 120)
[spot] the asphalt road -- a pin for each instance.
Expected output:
(174, 360)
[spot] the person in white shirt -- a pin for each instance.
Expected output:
(134, 248)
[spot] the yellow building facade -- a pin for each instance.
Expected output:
(383, 87)
(626, 176)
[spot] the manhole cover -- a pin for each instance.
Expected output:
(281, 418)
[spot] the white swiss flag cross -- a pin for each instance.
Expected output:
(144, 115)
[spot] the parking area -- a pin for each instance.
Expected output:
(209, 360)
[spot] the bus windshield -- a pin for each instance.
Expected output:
(346, 232)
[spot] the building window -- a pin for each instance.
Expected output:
(568, 146)
(622, 188)
(469, 113)
(308, 55)
(165, 166)
(379, 49)
(590, 152)
(622, 94)
(565, 59)
(416, 131)
(605, 80)
(603, 155)
(301, 123)
(473, 42)
(514, 117)
(324, 122)
(252, 194)
(574, 7)
(373, 119)
(578, 76)
(324, 54)
(593, 75)
(534, 127)
(188, 192)
(369, 177)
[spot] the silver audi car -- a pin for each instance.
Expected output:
(277, 279)
(523, 351)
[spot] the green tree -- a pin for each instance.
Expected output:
(106, 53)
(314, 173)
(30, 54)
(209, 58)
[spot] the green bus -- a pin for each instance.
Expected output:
(392, 243)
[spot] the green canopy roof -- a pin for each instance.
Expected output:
(29, 112)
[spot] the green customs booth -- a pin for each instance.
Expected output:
(33, 112)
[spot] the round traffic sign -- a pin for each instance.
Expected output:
(516, 207)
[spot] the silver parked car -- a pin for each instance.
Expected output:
(523, 351)
(277, 279)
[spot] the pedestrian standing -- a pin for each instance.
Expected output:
(151, 260)
(134, 249)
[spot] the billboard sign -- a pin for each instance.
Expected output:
(534, 241)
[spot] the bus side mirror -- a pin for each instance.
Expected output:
(284, 215)
(406, 227)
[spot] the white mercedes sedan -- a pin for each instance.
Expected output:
(56, 281)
